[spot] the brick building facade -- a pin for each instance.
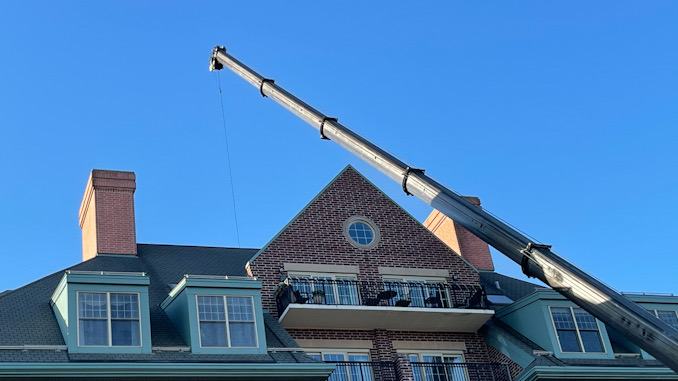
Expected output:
(317, 246)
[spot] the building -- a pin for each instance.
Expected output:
(544, 336)
(146, 312)
(353, 288)
(358, 281)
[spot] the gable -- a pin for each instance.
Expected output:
(317, 236)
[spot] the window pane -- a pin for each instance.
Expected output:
(333, 357)
(361, 233)
(213, 334)
(359, 372)
(240, 309)
(242, 334)
(211, 308)
(125, 332)
(339, 374)
(591, 341)
(124, 306)
(348, 291)
(314, 356)
(562, 317)
(93, 332)
(585, 320)
(669, 317)
(92, 305)
(568, 341)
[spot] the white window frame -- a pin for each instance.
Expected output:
(376, 234)
(332, 276)
(577, 331)
(442, 355)
(228, 328)
(345, 353)
(414, 279)
(656, 313)
(108, 319)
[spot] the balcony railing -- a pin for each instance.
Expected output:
(364, 371)
(379, 293)
(436, 371)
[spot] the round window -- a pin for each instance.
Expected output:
(361, 232)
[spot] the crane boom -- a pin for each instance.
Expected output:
(537, 260)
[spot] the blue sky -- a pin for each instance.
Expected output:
(561, 116)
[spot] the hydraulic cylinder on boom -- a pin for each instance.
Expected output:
(537, 260)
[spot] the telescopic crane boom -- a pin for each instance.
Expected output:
(537, 260)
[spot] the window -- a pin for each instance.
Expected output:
(326, 288)
(226, 321)
(418, 292)
(438, 367)
(108, 319)
(351, 366)
(361, 232)
(577, 330)
(669, 317)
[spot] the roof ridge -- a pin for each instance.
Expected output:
(197, 246)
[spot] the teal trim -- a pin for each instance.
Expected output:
(65, 306)
(126, 369)
(596, 373)
(118, 255)
(531, 316)
(225, 283)
(181, 307)
(109, 279)
(661, 299)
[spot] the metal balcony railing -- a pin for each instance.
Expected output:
(437, 371)
(364, 371)
(379, 293)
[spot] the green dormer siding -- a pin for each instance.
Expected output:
(64, 303)
(182, 308)
(531, 316)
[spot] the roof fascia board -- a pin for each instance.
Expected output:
(596, 373)
(537, 294)
(132, 369)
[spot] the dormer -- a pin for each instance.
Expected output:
(103, 312)
(218, 314)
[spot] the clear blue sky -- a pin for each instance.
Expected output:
(561, 116)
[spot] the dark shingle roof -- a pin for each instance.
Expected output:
(26, 317)
(510, 287)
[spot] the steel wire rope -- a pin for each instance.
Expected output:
(228, 157)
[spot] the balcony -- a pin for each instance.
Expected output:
(421, 371)
(364, 371)
(392, 305)
(436, 371)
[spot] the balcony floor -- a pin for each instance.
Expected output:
(321, 316)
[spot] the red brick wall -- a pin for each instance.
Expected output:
(107, 214)
(498, 357)
(462, 241)
(476, 349)
(316, 237)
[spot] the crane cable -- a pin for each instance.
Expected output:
(228, 157)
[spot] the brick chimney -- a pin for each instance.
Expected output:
(107, 214)
(462, 241)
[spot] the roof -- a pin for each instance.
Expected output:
(510, 287)
(26, 317)
(572, 364)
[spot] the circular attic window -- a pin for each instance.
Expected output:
(361, 232)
